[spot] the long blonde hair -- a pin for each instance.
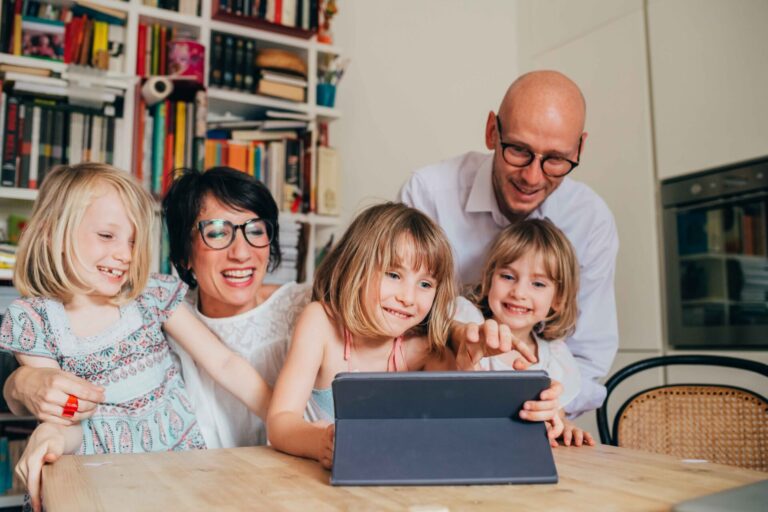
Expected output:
(371, 245)
(45, 262)
(543, 238)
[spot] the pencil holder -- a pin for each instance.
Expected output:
(326, 95)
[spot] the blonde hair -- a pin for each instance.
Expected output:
(371, 245)
(45, 261)
(543, 238)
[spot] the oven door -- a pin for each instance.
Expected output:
(717, 272)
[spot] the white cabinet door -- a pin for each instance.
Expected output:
(709, 73)
(609, 64)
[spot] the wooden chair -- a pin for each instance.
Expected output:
(723, 424)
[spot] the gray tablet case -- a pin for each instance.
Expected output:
(445, 428)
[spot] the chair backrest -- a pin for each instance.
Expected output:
(722, 424)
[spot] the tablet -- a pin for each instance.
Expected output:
(439, 428)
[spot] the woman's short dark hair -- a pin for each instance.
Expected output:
(182, 203)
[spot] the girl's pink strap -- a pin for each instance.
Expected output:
(392, 362)
(397, 346)
(348, 349)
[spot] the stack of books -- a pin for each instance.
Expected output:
(281, 84)
(293, 241)
(236, 64)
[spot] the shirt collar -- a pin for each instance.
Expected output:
(481, 197)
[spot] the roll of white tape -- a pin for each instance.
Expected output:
(156, 89)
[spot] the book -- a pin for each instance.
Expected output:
(262, 135)
(99, 12)
(10, 144)
(328, 202)
(24, 70)
(279, 90)
(715, 230)
(76, 137)
(228, 76)
(281, 114)
(217, 59)
(293, 177)
(283, 78)
(249, 80)
(239, 63)
(25, 125)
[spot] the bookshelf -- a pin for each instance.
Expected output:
(122, 83)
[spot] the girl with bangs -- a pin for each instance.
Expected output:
(382, 301)
(91, 308)
(529, 286)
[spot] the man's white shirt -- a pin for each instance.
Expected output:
(458, 195)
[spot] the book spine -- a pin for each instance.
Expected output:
(25, 126)
(158, 146)
(228, 77)
(170, 144)
(109, 139)
(292, 181)
(217, 59)
(34, 157)
(239, 62)
(10, 144)
(141, 49)
(248, 67)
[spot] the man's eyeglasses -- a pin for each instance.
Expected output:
(553, 166)
(219, 234)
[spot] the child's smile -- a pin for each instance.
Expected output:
(405, 298)
(521, 294)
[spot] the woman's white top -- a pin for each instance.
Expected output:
(262, 336)
(554, 357)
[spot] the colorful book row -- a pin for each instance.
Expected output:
(40, 134)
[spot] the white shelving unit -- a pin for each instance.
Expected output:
(220, 100)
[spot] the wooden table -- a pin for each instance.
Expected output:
(259, 478)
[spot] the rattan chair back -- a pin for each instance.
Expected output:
(713, 422)
(720, 424)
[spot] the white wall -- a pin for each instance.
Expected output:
(423, 76)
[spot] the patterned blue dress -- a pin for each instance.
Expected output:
(146, 408)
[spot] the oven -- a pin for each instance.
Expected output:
(716, 260)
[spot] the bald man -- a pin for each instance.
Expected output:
(537, 138)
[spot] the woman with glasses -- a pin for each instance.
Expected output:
(223, 227)
(223, 232)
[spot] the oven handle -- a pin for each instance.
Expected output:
(721, 201)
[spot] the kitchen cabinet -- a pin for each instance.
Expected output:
(709, 74)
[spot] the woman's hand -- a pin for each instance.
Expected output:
(326, 449)
(45, 446)
(44, 392)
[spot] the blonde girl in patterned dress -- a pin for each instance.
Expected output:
(91, 308)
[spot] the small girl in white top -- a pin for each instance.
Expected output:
(529, 286)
